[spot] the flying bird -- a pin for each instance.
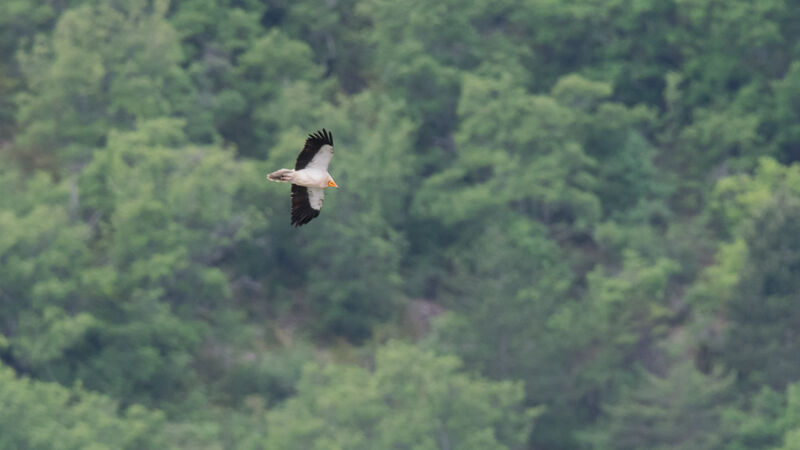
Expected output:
(309, 178)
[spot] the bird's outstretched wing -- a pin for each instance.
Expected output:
(317, 152)
(306, 204)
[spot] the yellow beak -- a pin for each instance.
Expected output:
(332, 184)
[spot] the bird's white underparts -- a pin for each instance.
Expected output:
(309, 178)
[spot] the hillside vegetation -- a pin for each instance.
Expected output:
(561, 225)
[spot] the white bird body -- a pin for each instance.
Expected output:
(309, 178)
(313, 178)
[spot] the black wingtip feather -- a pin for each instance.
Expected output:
(322, 137)
(302, 212)
(314, 142)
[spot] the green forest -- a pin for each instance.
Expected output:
(560, 225)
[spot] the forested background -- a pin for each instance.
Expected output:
(561, 225)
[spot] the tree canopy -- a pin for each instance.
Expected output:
(561, 225)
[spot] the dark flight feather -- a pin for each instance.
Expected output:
(314, 142)
(302, 212)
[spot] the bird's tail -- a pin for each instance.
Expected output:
(281, 175)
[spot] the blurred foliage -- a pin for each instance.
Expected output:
(574, 223)
(38, 414)
(412, 399)
(674, 411)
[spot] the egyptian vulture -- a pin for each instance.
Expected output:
(309, 178)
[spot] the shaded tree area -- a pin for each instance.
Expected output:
(560, 225)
